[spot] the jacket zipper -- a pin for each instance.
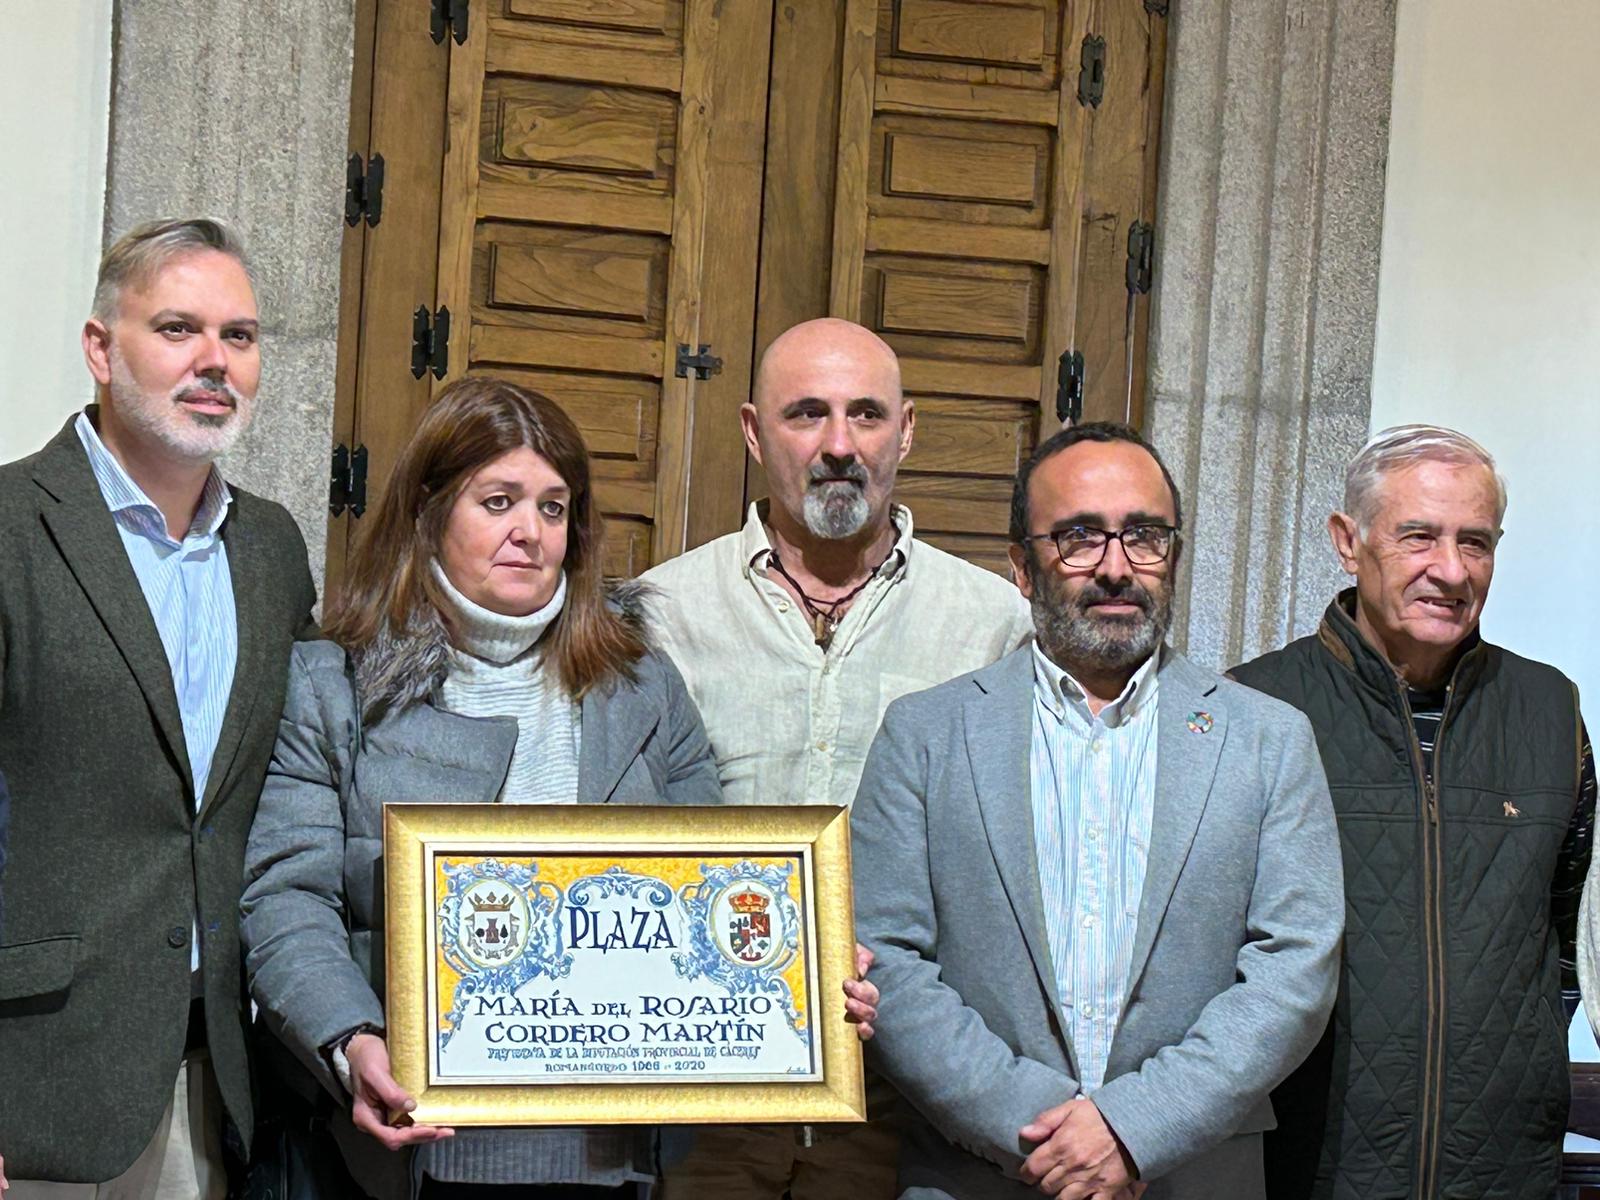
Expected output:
(1433, 938)
(1430, 809)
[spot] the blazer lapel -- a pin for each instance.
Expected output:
(75, 513)
(1191, 728)
(998, 722)
(250, 577)
(616, 721)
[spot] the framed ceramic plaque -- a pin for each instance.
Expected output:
(599, 964)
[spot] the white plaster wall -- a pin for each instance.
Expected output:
(1489, 291)
(55, 89)
(1489, 295)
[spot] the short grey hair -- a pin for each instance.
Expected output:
(140, 253)
(1403, 446)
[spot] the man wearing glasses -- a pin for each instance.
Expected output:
(1465, 794)
(1102, 884)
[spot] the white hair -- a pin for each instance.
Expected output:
(1403, 446)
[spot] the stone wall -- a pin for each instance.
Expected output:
(240, 111)
(1269, 224)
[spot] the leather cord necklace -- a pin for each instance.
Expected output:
(825, 615)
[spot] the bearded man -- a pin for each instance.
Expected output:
(1102, 884)
(146, 615)
(793, 635)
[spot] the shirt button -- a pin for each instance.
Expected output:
(1088, 922)
(1088, 1010)
(822, 746)
(783, 606)
(1098, 747)
(1094, 832)
(177, 937)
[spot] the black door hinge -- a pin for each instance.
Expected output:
(1141, 256)
(704, 364)
(430, 342)
(1069, 387)
(1157, 8)
(449, 16)
(1092, 77)
(363, 190)
(347, 486)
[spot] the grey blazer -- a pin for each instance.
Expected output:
(313, 901)
(1234, 962)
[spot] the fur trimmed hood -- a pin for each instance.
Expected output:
(398, 670)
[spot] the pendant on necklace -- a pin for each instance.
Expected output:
(819, 629)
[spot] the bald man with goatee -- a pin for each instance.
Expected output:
(794, 634)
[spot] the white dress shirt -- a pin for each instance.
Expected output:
(789, 722)
(189, 591)
(1094, 787)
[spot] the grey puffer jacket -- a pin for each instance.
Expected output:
(313, 901)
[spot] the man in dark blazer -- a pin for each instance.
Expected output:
(146, 616)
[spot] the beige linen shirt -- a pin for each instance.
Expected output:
(788, 722)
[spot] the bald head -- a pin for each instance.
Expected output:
(828, 422)
(829, 348)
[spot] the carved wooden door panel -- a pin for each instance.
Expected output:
(587, 185)
(975, 229)
(390, 252)
(574, 250)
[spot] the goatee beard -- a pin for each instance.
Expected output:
(835, 505)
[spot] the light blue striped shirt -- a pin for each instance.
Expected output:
(190, 593)
(1094, 787)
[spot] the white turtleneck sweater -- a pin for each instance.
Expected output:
(497, 669)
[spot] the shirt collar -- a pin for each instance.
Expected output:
(1058, 691)
(755, 548)
(126, 499)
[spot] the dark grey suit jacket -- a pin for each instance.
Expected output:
(110, 865)
(5, 835)
(1235, 957)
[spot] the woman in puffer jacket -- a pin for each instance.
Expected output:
(475, 654)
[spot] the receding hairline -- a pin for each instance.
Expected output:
(1402, 447)
(833, 335)
(139, 255)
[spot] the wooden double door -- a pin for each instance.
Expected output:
(594, 190)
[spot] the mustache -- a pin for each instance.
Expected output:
(1128, 593)
(823, 474)
(214, 390)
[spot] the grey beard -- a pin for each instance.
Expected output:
(201, 437)
(213, 388)
(835, 510)
(1068, 634)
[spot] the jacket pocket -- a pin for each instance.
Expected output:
(1558, 1070)
(39, 967)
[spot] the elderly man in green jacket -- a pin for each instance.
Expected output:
(1463, 784)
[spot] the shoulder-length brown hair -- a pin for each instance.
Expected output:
(390, 587)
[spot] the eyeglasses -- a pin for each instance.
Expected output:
(1085, 546)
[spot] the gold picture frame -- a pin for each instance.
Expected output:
(480, 895)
